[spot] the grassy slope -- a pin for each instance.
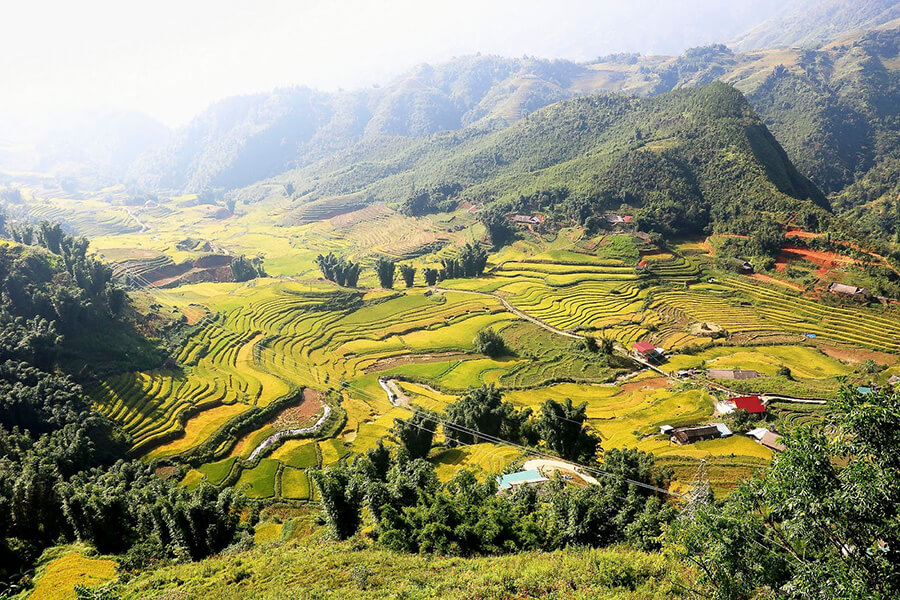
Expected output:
(319, 569)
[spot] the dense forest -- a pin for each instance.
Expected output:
(62, 477)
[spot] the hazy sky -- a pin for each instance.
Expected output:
(172, 58)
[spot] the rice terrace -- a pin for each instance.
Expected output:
(293, 341)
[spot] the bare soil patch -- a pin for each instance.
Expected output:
(383, 364)
(298, 416)
(654, 383)
(775, 281)
(856, 355)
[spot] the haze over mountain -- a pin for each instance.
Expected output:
(834, 109)
(810, 23)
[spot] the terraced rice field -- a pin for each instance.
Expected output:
(741, 305)
(271, 336)
(56, 580)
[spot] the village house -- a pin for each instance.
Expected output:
(527, 219)
(751, 404)
(691, 435)
(648, 352)
(736, 374)
(619, 219)
(769, 439)
(742, 265)
(849, 291)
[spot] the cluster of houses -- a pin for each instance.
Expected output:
(714, 431)
(619, 219)
(649, 352)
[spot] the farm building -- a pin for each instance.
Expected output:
(894, 380)
(741, 265)
(527, 219)
(849, 291)
(644, 237)
(520, 478)
(648, 352)
(690, 435)
(767, 438)
(752, 404)
(666, 429)
(619, 219)
(736, 374)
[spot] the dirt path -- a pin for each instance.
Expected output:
(548, 465)
(144, 227)
(395, 395)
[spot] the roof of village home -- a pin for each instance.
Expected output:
(751, 404)
(644, 347)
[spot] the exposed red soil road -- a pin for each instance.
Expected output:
(822, 258)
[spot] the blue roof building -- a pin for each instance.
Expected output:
(511, 480)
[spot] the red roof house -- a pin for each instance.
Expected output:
(751, 404)
(644, 348)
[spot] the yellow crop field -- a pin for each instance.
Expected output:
(197, 429)
(56, 579)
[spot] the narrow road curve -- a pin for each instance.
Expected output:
(290, 433)
(144, 227)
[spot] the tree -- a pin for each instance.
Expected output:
(821, 522)
(416, 433)
(483, 411)
(341, 499)
(494, 220)
(385, 269)
(431, 276)
(490, 343)
(338, 269)
(408, 272)
(561, 426)
(472, 261)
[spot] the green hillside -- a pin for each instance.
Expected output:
(832, 108)
(686, 159)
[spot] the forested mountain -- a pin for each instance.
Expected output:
(834, 109)
(243, 139)
(810, 23)
(687, 159)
